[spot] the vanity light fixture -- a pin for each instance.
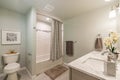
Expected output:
(118, 7)
(115, 9)
(112, 14)
(107, 0)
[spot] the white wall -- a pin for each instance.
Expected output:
(84, 29)
(14, 21)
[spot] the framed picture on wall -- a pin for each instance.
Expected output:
(11, 37)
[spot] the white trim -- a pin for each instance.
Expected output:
(30, 75)
(2, 74)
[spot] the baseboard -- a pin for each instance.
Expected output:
(2, 74)
(30, 75)
(23, 68)
(66, 64)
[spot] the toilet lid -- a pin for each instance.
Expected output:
(12, 66)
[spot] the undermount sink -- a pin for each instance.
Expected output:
(94, 64)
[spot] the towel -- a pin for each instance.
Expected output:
(69, 48)
(56, 71)
(98, 44)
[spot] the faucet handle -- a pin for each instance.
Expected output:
(105, 51)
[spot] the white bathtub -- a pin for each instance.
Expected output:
(44, 63)
(42, 58)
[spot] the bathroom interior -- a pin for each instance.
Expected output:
(59, 40)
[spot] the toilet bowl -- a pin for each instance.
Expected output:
(11, 66)
(11, 69)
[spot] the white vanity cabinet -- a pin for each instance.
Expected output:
(77, 75)
(91, 67)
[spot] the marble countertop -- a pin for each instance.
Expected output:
(93, 65)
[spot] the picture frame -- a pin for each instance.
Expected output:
(11, 37)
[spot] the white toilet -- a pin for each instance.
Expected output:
(11, 66)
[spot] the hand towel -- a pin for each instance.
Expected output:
(69, 48)
(98, 44)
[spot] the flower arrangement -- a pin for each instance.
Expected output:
(110, 42)
(12, 52)
(111, 45)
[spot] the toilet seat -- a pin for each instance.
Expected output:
(11, 68)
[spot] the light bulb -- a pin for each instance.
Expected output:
(112, 14)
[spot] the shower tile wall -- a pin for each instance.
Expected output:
(43, 39)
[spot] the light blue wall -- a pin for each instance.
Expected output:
(10, 20)
(31, 41)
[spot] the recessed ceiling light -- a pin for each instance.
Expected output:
(107, 0)
(48, 19)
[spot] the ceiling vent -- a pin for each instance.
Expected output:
(48, 8)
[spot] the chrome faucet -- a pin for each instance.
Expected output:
(104, 52)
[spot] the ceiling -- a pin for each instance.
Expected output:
(63, 9)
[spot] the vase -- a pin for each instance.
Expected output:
(116, 55)
(110, 68)
(112, 56)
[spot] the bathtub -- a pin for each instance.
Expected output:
(44, 63)
(42, 58)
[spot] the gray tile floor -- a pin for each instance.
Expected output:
(42, 76)
(24, 75)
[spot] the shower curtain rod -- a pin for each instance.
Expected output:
(49, 16)
(41, 30)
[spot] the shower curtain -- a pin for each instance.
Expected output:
(56, 41)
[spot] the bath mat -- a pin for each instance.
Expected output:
(56, 71)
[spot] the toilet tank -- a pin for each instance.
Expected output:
(10, 58)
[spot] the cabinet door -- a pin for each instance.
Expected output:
(77, 75)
